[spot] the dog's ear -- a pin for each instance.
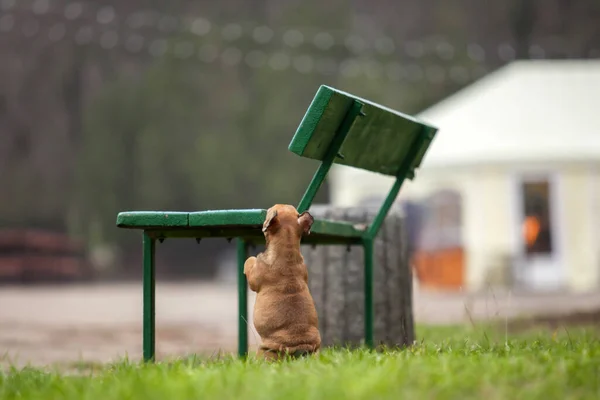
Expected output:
(271, 218)
(305, 220)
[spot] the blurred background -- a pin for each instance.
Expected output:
(107, 106)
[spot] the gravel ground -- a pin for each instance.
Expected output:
(69, 324)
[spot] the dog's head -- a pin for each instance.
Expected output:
(284, 215)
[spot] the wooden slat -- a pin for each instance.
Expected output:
(380, 141)
(143, 219)
(222, 223)
(336, 228)
(252, 217)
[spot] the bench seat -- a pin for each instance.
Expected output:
(230, 223)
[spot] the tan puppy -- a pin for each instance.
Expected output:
(284, 313)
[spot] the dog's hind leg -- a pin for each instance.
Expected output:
(274, 355)
(268, 355)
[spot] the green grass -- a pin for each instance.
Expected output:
(447, 363)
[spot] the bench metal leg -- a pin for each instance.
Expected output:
(368, 247)
(242, 254)
(149, 298)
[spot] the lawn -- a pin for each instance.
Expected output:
(446, 363)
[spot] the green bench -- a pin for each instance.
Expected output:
(337, 128)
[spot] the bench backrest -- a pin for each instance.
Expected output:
(345, 129)
(380, 141)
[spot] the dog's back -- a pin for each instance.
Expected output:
(285, 316)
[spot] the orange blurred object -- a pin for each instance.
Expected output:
(440, 269)
(531, 230)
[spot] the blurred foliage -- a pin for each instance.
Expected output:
(179, 138)
(87, 131)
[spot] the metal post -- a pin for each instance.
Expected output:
(405, 171)
(368, 248)
(149, 298)
(242, 253)
(332, 152)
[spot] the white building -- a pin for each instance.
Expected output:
(523, 141)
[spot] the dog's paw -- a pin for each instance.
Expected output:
(249, 264)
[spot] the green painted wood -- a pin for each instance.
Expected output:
(254, 217)
(379, 142)
(318, 110)
(228, 232)
(252, 235)
(224, 223)
(336, 228)
(143, 219)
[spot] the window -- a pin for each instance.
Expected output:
(537, 221)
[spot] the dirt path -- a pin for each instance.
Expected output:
(98, 323)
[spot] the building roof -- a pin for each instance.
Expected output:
(527, 111)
